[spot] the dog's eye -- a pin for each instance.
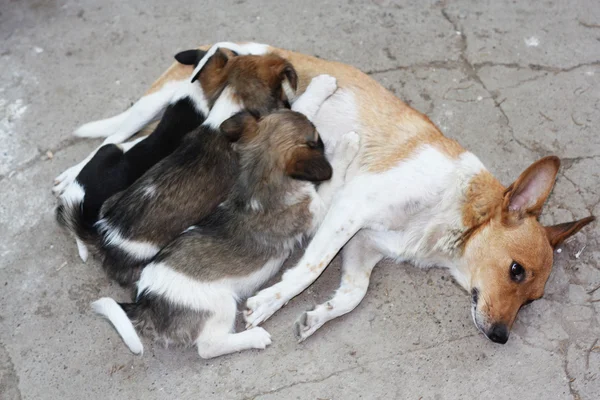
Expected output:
(517, 272)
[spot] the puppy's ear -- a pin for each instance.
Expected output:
(527, 195)
(288, 72)
(309, 164)
(558, 233)
(190, 57)
(215, 63)
(244, 123)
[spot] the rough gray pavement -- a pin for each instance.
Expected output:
(512, 81)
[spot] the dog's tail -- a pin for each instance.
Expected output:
(120, 315)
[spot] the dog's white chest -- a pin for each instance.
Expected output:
(415, 206)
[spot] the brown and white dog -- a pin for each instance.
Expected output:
(411, 194)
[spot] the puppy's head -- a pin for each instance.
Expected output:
(263, 83)
(509, 255)
(281, 144)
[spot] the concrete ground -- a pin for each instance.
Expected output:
(512, 81)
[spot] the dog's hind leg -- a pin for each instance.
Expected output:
(139, 115)
(359, 258)
(145, 110)
(217, 339)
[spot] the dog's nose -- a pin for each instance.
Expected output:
(498, 333)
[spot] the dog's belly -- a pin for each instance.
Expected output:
(336, 117)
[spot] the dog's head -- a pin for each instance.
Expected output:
(283, 144)
(259, 82)
(508, 254)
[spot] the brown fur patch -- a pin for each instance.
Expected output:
(482, 200)
(391, 130)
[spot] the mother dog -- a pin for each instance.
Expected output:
(412, 194)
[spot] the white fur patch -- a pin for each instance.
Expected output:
(195, 93)
(337, 116)
(135, 248)
(150, 191)
(73, 194)
(160, 279)
(225, 106)
(290, 93)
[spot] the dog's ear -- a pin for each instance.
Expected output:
(527, 195)
(190, 57)
(244, 123)
(215, 63)
(287, 71)
(559, 233)
(309, 164)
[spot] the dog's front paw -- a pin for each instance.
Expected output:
(326, 84)
(260, 307)
(65, 179)
(306, 325)
(259, 338)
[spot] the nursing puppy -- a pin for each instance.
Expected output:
(115, 167)
(188, 294)
(188, 184)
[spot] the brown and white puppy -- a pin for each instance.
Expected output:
(189, 183)
(188, 294)
(413, 194)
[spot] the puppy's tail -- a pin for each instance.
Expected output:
(119, 315)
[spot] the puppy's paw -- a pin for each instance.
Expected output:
(326, 84)
(260, 307)
(258, 338)
(306, 325)
(349, 144)
(65, 179)
(82, 250)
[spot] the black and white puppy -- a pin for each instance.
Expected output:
(188, 294)
(114, 167)
(188, 185)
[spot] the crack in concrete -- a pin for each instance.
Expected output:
(564, 348)
(449, 65)
(589, 208)
(341, 371)
(471, 72)
(535, 67)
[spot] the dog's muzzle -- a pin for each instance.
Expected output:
(497, 333)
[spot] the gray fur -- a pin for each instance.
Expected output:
(239, 238)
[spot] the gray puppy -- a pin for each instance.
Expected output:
(188, 294)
